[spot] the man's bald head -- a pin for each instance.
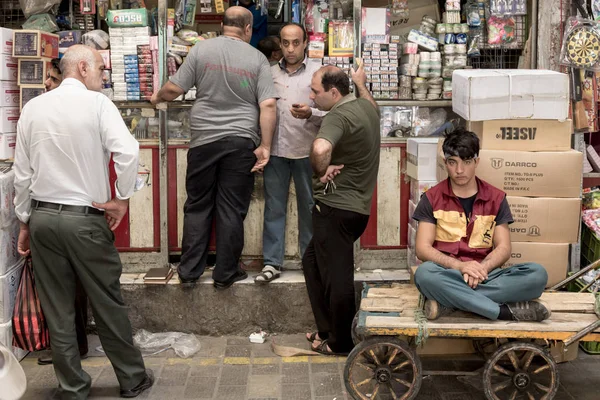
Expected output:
(237, 17)
(333, 77)
(84, 64)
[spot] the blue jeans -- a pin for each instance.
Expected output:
(277, 176)
(521, 282)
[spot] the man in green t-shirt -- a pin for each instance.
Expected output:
(345, 161)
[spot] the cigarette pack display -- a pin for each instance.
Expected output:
(32, 71)
(35, 44)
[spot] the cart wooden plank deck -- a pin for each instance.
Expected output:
(384, 365)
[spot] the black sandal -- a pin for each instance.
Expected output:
(268, 274)
(312, 337)
(322, 349)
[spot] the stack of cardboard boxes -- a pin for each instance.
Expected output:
(520, 117)
(11, 264)
(34, 51)
(9, 95)
(421, 169)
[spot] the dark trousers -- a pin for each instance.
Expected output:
(66, 246)
(329, 272)
(219, 184)
(81, 316)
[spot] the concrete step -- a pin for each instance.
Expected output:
(281, 306)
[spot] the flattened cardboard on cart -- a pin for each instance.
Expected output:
(543, 219)
(9, 284)
(523, 134)
(486, 94)
(554, 257)
(535, 174)
(421, 155)
(6, 338)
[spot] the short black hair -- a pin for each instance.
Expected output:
(237, 20)
(461, 143)
(56, 64)
(336, 79)
(267, 46)
(304, 34)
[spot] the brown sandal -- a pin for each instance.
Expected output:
(322, 349)
(312, 337)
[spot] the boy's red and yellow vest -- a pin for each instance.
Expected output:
(453, 236)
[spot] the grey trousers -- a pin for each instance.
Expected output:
(521, 282)
(66, 245)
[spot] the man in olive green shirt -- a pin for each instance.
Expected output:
(345, 162)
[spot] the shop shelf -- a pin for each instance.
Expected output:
(591, 175)
(413, 103)
(590, 246)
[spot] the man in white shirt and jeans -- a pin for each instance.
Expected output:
(63, 199)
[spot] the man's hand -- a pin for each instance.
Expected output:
(154, 98)
(473, 273)
(301, 111)
(262, 154)
(359, 77)
(23, 242)
(332, 172)
(114, 211)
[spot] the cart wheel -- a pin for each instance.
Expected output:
(356, 338)
(383, 368)
(520, 370)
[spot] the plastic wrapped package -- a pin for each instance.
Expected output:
(508, 7)
(41, 22)
(427, 121)
(185, 345)
(501, 30)
(97, 39)
(32, 7)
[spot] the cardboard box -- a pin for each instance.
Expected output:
(9, 94)
(33, 72)
(421, 158)
(543, 219)
(412, 206)
(8, 141)
(523, 135)
(35, 44)
(9, 255)
(485, 94)
(9, 283)
(8, 68)
(6, 41)
(29, 92)
(417, 188)
(6, 338)
(533, 174)
(552, 256)
(7, 196)
(9, 116)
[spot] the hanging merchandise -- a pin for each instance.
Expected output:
(472, 14)
(474, 41)
(87, 7)
(32, 7)
(501, 30)
(581, 44)
(596, 9)
(400, 9)
(41, 22)
(508, 7)
(341, 39)
(296, 14)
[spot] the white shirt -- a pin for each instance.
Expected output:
(294, 136)
(64, 142)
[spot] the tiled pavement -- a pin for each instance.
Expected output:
(231, 368)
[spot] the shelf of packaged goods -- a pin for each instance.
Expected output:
(392, 140)
(181, 104)
(178, 142)
(148, 142)
(133, 104)
(413, 103)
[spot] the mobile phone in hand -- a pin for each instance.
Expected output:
(296, 105)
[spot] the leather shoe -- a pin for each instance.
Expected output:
(187, 283)
(239, 276)
(145, 384)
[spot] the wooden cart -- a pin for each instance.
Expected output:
(384, 364)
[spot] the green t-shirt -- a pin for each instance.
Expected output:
(353, 128)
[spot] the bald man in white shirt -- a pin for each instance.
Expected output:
(63, 199)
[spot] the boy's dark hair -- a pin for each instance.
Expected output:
(461, 143)
(267, 46)
(304, 34)
(56, 64)
(336, 79)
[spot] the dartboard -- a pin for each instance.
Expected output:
(583, 46)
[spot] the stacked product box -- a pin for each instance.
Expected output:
(125, 65)
(421, 170)
(34, 50)
(145, 72)
(11, 264)
(381, 66)
(9, 98)
(525, 140)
